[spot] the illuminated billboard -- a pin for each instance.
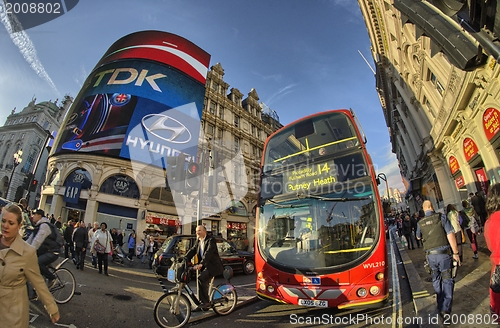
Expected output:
(143, 101)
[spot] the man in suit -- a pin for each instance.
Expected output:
(209, 262)
(81, 239)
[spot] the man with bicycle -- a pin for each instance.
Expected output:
(47, 248)
(209, 263)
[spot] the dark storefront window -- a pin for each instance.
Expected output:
(120, 185)
(237, 234)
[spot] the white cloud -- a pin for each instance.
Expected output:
(26, 47)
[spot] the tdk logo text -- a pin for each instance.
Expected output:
(127, 76)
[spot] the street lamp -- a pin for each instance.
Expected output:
(17, 160)
(48, 136)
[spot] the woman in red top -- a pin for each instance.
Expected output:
(491, 229)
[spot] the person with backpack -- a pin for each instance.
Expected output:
(471, 226)
(45, 240)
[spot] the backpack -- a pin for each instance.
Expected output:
(55, 235)
(463, 219)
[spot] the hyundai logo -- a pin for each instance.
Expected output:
(166, 128)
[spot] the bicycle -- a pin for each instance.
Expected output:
(64, 287)
(173, 308)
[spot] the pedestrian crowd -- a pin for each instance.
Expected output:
(442, 236)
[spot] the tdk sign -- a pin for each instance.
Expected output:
(127, 76)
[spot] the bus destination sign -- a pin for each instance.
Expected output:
(310, 177)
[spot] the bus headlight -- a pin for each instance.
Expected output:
(374, 290)
(379, 276)
(270, 289)
(362, 292)
(262, 286)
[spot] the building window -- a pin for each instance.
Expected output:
(221, 112)
(215, 86)
(28, 165)
(437, 84)
(210, 129)
(212, 107)
(236, 121)
(429, 107)
(236, 143)
(254, 130)
(220, 134)
(120, 185)
(161, 194)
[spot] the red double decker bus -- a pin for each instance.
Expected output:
(320, 237)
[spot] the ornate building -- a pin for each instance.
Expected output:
(27, 131)
(438, 83)
(115, 191)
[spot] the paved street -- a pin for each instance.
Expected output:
(125, 298)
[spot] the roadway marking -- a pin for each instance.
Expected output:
(397, 311)
(34, 316)
(69, 326)
(245, 285)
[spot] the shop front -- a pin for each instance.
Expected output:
(162, 225)
(237, 233)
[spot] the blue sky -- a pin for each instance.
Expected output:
(301, 56)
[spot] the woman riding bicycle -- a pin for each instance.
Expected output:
(209, 263)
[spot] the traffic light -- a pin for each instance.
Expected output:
(215, 173)
(175, 172)
(27, 181)
(33, 185)
(193, 178)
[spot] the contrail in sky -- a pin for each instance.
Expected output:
(26, 47)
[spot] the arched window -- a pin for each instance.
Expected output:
(79, 176)
(55, 178)
(162, 195)
(4, 155)
(237, 208)
(120, 185)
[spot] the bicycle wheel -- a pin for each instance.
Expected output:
(224, 299)
(64, 289)
(165, 314)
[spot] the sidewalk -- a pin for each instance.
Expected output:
(471, 295)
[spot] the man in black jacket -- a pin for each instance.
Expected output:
(81, 239)
(68, 238)
(209, 262)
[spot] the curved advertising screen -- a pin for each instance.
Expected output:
(143, 101)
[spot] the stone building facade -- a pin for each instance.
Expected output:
(439, 89)
(28, 131)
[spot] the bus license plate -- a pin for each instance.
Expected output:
(316, 303)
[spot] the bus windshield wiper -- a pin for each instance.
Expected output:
(288, 206)
(332, 199)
